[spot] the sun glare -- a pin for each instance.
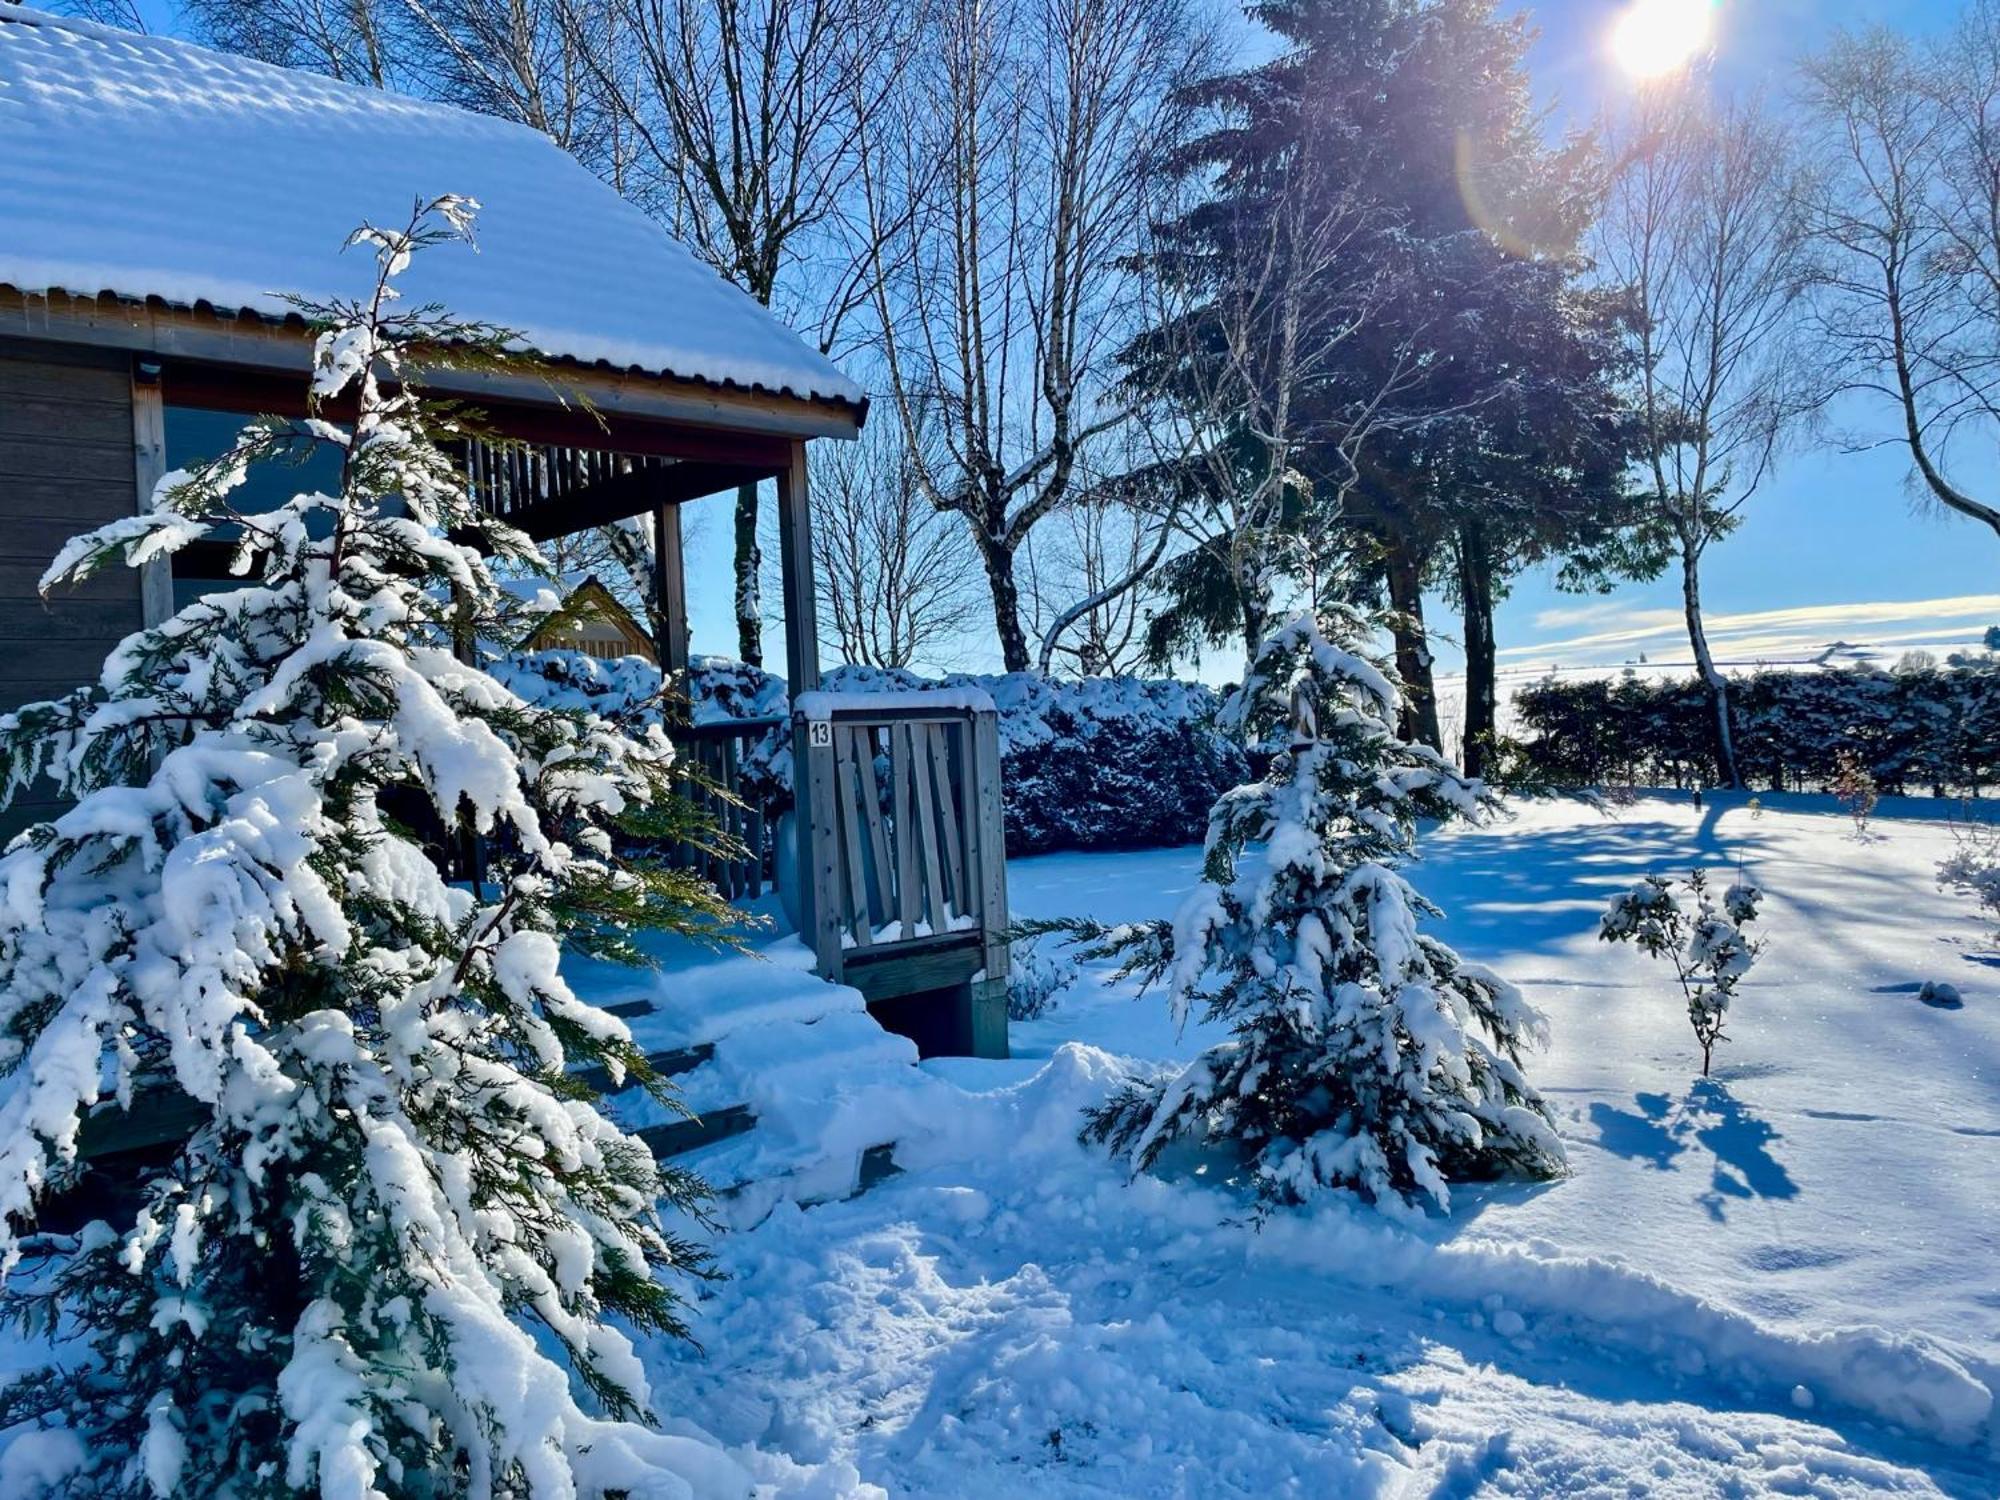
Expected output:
(1656, 37)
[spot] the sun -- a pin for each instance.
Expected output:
(1657, 37)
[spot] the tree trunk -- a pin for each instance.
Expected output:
(1413, 648)
(749, 565)
(1256, 625)
(1716, 684)
(999, 560)
(1475, 586)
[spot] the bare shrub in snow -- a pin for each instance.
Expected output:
(1855, 789)
(1708, 944)
(398, 1252)
(1363, 1055)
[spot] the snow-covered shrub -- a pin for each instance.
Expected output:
(1363, 1054)
(1973, 868)
(1096, 763)
(1035, 981)
(1935, 728)
(1709, 944)
(631, 691)
(398, 1251)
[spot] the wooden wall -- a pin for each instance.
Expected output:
(66, 464)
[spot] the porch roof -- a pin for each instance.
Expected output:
(150, 169)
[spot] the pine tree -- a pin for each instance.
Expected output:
(387, 1260)
(1363, 1053)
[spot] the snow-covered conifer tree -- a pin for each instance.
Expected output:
(1363, 1054)
(387, 1260)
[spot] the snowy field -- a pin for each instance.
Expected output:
(1784, 1280)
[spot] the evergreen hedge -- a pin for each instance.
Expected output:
(1918, 729)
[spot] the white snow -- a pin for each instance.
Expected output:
(1779, 1282)
(824, 705)
(148, 167)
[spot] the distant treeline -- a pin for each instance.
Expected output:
(1921, 729)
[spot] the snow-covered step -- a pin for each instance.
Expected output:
(800, 1093)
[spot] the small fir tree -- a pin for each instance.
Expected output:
(387, 1261)
(1363, 1054)
(1709, 944)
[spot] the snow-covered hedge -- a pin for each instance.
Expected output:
(1930, 729)
(1096, 763)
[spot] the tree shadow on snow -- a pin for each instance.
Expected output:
(1520, 891)
(1738, 1142)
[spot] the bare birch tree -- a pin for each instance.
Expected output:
(354, 40)
(745, 119)
(1005, 288)
(897, 584)
(1697, 227)
(1902, 211)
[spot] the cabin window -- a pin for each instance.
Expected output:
(195, 434)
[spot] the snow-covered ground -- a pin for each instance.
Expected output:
(1784, 1280)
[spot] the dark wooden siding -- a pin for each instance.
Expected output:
(66, 464)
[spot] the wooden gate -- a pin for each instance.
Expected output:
(906, 878)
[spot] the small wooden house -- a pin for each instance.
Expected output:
(591, 622)
(161, 206)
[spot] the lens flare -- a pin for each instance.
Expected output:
(1656, 37)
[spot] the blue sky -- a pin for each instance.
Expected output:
(1834, 547)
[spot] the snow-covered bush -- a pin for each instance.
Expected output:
(1035, 981)
(1934, 728)
(634, 693)
(1709, 944)
(399, 1250)
(1363, 1054)
(1973, 869)
(1096, 763)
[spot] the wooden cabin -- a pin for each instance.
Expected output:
(146, 310)
(591, 622)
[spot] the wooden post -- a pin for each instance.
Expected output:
(149, 452)
(795, 561)
(815, 812)
(816, 816)
(670, 587)
(989, 994)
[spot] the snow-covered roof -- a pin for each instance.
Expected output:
(145, 167)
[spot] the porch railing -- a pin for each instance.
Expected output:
(737, 814)
(506, 479)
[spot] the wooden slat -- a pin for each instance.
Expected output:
(858, 918)
(899, 802)
(884, 884)
(950, 816)
(926, 840)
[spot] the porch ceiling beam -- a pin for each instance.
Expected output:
(633, 494)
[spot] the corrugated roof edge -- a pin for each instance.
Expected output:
(27, 15)
(204, 308)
